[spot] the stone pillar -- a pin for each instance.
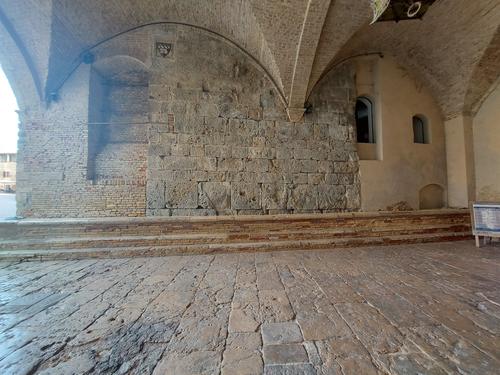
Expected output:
(460, 161)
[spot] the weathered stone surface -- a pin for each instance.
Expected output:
(427, 309)
(248, 341)
(274, 196)
(331, 197)
(303, 196)
(245, 196)
(181, 195)
(299, 369)
(156, 194)
(241, 362)
(143, 136)
(275, 306)
(242, 321)
(281, 333)
(215, 195)
(284, 353)
(319, 328)
(203, 363)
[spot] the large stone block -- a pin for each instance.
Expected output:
(215, 195)
(245, 196)
(325, 166)
(206, 164)
(345, 167)
(261, 152)
(284, 152)
(321, 131)
(281, 333)
(331, 197)
(308, 166)
(303, 197)
(315, 178)
(155, 191)
(274, 196)
(192, 212)
(303, 154)
(283, 354)
(218, 151)
(339, 178)
(257, 165)
(179, 163)
(284, 131)
(181, 194)
(304, 131)
(239, 152)
(267, 129)
(353, 195)
(231, 165)
(338, 132)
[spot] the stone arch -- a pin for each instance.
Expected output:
(431, 197)
(269, 73)
(122, 68)
(18, 67)
(486, 76)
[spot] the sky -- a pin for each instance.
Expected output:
(8, 116)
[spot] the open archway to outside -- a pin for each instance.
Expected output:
(8, 148)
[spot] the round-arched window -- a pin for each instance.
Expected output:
(420, 130)
(364, 120)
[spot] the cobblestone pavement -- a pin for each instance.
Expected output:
(420, 309)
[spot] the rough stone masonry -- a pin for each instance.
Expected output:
(200, 130)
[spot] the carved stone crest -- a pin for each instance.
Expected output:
(163, 49)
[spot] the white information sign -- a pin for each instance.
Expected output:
(486, 220)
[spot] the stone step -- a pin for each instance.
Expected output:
(143, 251)
(223, 238)
(113, 227)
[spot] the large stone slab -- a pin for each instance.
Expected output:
(284, 353)
(181, 194)
(215, 195)
(281, 333)
(245, 196)
(303, 197)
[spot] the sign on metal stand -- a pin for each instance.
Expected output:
(485, 221)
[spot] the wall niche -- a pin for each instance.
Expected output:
(118, 119)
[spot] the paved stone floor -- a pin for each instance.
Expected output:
(420, 309)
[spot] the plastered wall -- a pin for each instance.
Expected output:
(486, 128)
(403, 168)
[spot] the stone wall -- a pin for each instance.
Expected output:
(201, 132)
(223, 145)
(53, 173)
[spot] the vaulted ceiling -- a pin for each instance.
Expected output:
(453, 50)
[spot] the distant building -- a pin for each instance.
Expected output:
(8, 173)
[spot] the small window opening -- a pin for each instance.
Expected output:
(420, 130)
(364, 121)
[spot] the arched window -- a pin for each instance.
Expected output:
(364, 120)
(420, 130)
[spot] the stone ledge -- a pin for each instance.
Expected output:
(233, 218)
